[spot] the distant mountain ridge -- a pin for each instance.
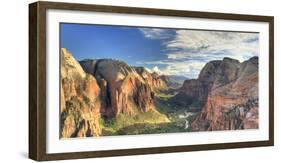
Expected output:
(174, 81)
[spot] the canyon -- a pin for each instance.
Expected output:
(105, 97)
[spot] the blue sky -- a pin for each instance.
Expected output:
(167, 51)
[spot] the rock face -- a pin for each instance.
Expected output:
(194, 92)
(123, 89)
(153, 79)
(80, 103)
(232, 99)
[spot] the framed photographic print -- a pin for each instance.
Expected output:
(112, 81)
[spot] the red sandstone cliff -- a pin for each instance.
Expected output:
(80, 103)
(153, 79)
(232, 100)
(123, 88)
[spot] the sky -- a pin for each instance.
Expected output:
(181, 52)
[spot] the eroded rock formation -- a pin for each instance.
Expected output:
(80, 103)
(232, 101)
(123, 89)
(153, 79)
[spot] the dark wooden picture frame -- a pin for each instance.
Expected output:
(37, 79)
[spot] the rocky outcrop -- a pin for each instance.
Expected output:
(80, 103)
(123, 89)
(232, 100)
(157, 82)
(153, 79)
(218, 73)
(194, 92)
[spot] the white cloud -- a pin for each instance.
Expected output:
(156, 69)
(189, 69)
(155, 33)
(191, 43)
(189, 50)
